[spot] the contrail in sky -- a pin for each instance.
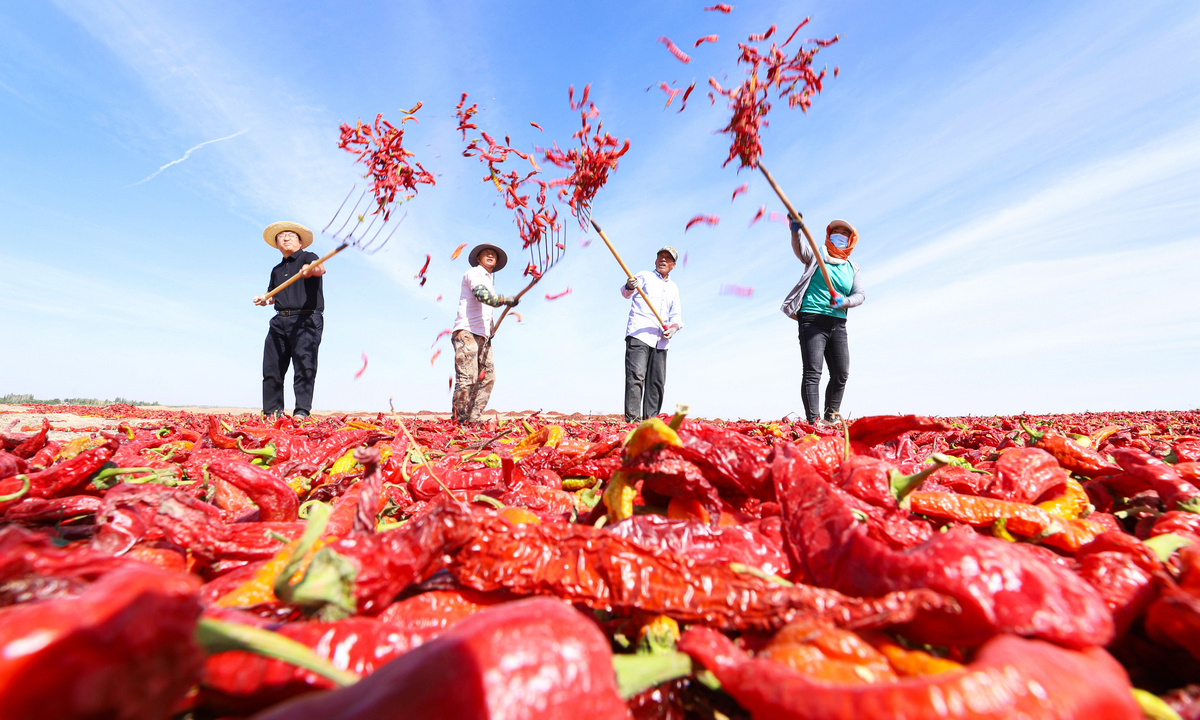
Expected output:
(186, 155)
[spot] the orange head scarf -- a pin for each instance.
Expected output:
(844, 228)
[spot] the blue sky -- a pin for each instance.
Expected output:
(1025, 178)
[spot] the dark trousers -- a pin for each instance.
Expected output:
(293, 339)
(645, 376)
(823, 338)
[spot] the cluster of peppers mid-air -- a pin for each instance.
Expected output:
(198, 567)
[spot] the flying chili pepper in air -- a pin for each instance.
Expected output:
(679, 54)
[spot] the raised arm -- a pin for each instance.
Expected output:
(630, 287)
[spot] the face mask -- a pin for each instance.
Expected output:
(839, 241)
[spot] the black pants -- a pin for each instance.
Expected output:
(291, 339)
(645, 376)
(823, 338)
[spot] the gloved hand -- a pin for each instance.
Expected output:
(794, 225)
(510, 300)
(670, 331)
(837, 302)
(631, 283)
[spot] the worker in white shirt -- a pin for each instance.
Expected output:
(646, 341)
(474, 362)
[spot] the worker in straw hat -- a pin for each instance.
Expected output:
(646, 341)
(474, 363)
(295, 331)
(821, 317)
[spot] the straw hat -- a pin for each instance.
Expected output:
(501, 256)
(306, 235)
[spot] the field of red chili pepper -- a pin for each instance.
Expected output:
(170, 564)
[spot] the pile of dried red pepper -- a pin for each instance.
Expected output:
(381, 149)
(589, 162)
(192, 566)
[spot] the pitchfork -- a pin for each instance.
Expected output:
(357, 235)
(544, 254)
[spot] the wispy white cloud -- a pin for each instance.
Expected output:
(186, 155)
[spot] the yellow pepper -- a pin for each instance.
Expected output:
(650, 434)
(260, 588)
(618, 497)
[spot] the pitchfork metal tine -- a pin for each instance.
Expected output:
(374, 219)
(366, 247)
(395, 226)
(353, 214)
(339, 210)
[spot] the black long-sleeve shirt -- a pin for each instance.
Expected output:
(305, 294)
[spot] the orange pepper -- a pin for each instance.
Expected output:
(909, 662)
(828, 653)
(1071, 504)
(260, 589)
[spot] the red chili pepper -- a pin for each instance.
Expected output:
(276, 501)
(28, 447)
(121, 648)
(33, 511)
(241, 683)
(547, 654)
(45, 456)
(706, 219)
(1010, 677)
(11, 464)
(133, 513)
(1025, 474)
(1071, 455)
(680, 55)
(603, 571)
(878, 429)
(739, 190)
(999, 588)
(1124, 571)
(802, 24)
(706, 38)
(721, 7)
(62, 478)
(1156, 475)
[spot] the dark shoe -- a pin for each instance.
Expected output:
(299, 415)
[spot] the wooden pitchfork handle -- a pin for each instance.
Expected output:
(796, 216)
(296, 277)
(629, 274)
(506, 309)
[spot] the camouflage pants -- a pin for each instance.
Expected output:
(472, 387)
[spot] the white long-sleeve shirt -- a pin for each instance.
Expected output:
(664, 294)
(472, 314)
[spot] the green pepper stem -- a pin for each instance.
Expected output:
(15, 495)
(1165, 545)
(1035, 435)
(902, 485)
(759, 573)
(490, 501)
(266, 452)
(1154, 707)
(329, 579)
(638, 673)
(681, 412)
(217, 636)
(1191, 505)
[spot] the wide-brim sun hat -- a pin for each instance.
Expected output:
(306, 235)
(501, 256)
